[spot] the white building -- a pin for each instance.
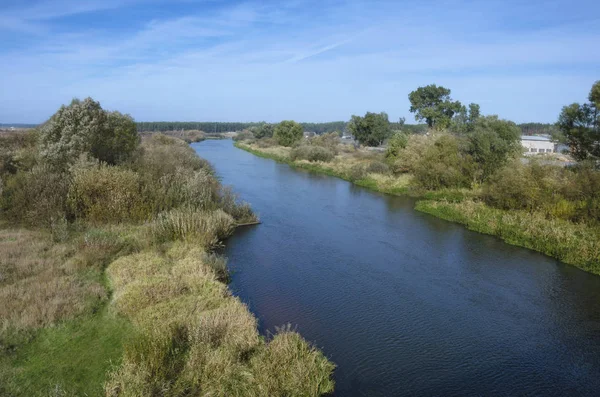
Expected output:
(537, 144)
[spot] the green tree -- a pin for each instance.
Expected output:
(492, 143)
(370, 130)
(288, 132)
(434, 105)
(84, 127)
(465, 119)
(397, 142)
(263, 131)
(581, 126)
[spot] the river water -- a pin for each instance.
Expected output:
(405, 303)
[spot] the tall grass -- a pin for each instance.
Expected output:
(194, 338)
(206, 229)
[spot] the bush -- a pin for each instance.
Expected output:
(377, 167)
(161, 155)
(407, 159)
(330, 141)
(397, 142)
(106, 194)
(36, 197)
(357, 172)
(444, 165)
(266, 142)
(311, 153)
(241, 212)
(288, 132)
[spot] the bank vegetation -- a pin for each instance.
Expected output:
(109, 280)
(470, 169)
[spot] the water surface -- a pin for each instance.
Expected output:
(405, 303)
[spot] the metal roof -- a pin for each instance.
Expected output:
(535, 138)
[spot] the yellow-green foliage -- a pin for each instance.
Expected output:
(106, 194)
(311, 153)
(40, 284)
(194, 338)
(204, 228)
(576, 244)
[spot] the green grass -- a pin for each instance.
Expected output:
(70, 359)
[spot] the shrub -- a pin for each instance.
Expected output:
(266, 142)
(377, 167)
(241, 212)
(444, 165)
(357, 172)
(397, 142)
(106, 194)
(311, 153)
(288, 132)
(407, 159)
(36, 197)
(161, 155)
(330, 141)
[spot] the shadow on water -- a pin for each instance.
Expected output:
(405, 303)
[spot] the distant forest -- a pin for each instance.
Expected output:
(319, 128)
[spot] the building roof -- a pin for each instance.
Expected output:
(535, 138)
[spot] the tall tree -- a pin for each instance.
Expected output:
(84, 127)
(288, 132)
(370, 130)
(492, 143)
(581, 126)
(434, 105)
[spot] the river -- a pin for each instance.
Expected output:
(405, 303)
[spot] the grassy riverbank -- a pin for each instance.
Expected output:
(575, 243)
(109, 280)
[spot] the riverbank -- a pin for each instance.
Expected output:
(110, 284)
(575, 244)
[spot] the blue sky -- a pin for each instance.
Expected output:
(296, 59)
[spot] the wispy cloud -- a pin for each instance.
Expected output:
(259, 60)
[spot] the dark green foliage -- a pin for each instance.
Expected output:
(492, 143)
(397, 142)
(445, 164)
(464, 121)
(370, 130)
(434, 105)
(570, 194)
(581, 126)
(288, 132)
(311, 153)
(263, 131)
